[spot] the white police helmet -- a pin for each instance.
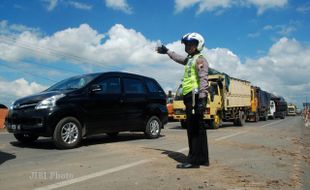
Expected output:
(194, 37)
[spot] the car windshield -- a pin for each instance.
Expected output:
(72, 83)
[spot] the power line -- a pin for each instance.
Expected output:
(57, 53)
(52, 52)
(28, 73)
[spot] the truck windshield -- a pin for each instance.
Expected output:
(178, 94)
(72, 83)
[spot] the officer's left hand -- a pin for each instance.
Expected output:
(201, 105)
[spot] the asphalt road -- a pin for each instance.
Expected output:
(273, 154)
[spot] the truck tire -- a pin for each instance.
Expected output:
(216, 122)
(67, 133)
(240, 121)
(153, 127)
(25, 138)
(256, 119)
(265, 118)
(183, 125)
(282, 116)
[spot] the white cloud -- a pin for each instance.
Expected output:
(268, 27)
(180, 5)
(283, 70)
(305, 8)
(220, 5)
(285, 67)
(19, 88)
(254, 35)
(121, 5)
(79, 5)
(263, 5)
(51, 4)
(10, 29)
(211, 5)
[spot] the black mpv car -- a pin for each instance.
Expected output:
(90, 104)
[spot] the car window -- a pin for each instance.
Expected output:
(133, 86)
(75, 82)
(153, 86)
(110, 86)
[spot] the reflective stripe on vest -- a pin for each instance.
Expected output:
(191, 78)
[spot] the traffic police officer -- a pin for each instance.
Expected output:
(195, 94)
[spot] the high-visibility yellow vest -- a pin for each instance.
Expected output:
(191, 78)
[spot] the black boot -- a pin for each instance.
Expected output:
(187, 165)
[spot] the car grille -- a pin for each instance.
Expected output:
(24, 121)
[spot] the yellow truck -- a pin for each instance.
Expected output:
(229, 99)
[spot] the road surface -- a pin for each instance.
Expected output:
(273, 154)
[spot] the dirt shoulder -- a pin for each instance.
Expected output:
(2, 130)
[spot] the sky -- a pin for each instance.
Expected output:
(266, 42)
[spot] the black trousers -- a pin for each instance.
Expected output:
(196, 133)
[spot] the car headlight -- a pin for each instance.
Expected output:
(49, 102)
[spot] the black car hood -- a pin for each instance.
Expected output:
(35, 98)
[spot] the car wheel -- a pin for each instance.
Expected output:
(26, 138)
(153, 127)
(67, 133)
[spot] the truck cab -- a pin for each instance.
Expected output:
(291, 110)
(213, 106)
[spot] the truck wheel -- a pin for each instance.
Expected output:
(282, 116)
(265, 118)
(256, 117)
(183, 125)
(240, 121)
(153, 127)
(216, 122)
(67, 133)
(26, 138)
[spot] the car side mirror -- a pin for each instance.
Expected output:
(95, 88)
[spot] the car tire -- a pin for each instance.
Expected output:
(153, 127)
(67, 133)
(26, 138)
